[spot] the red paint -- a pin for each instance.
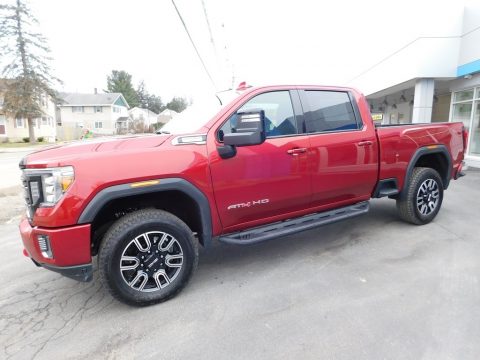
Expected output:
(70, 245)
(336, 169)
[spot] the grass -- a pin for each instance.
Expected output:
(8, 145)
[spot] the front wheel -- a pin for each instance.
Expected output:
(423, 197)
(147, 257)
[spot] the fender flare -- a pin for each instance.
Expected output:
(119, 191)
(442, 149)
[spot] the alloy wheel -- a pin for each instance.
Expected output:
(428, 196)
(151, 261)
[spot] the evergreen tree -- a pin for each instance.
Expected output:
(178, 104)
(25, 55)
(149, 101)
(119, 81)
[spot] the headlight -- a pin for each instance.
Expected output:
(54, 182)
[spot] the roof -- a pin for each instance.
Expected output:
(76, 99)
(149, 112)
(168, 112)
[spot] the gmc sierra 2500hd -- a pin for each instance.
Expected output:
(274, 161)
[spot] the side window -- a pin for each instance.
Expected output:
(279, 117)
(329, 111)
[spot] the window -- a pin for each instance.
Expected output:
(466, 108)
(77, 109)
(19, 123)
(3, 130)
(279, 117)
(329, 111)
(44, 120)
(1, 100)
(116, 109)
(97, 109)
(98, 125)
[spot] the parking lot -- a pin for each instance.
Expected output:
(367, 288)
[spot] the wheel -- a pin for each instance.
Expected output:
(147, 257)
(423, 197)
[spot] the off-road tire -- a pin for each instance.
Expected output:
(407, 202)
(129, 227)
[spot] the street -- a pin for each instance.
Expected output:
(367, 288)
(9, 165)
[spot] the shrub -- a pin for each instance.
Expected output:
(40, 139)
(26, 139)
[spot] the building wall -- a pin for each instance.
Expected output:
(45, 127)
(470, 48)
(75, 123)
(441, 108)
(402, 114)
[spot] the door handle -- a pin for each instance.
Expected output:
(365, 143)
(297, 151)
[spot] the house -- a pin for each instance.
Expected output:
(141, 115)
(14, 130)
(100, 113)
(166, 115)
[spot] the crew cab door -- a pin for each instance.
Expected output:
(343, 149)
(262, 183)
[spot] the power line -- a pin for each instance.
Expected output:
(193, 44)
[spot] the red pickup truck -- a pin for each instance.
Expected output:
(273, 161)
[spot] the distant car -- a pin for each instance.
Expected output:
(274, 161)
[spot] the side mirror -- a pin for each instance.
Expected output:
(250, 129)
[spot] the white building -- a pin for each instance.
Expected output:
(166, 115)
(102, 114)
(146, 116)
(435, 77)
(14, 130)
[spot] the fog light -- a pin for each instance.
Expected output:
(44, 245)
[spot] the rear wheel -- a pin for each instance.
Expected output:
(423, 197)
(147, 257)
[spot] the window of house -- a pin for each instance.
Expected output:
(77, 109)
(44, 120)
(3, 125)
(97, 109)
(466, 109)
(279, 116)
(329, 111)
(98, 124)
(19, 123)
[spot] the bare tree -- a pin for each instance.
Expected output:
(25, 55)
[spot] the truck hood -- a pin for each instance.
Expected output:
(58, 155)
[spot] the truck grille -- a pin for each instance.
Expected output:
(32, 190)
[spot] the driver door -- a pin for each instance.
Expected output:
(267, 182)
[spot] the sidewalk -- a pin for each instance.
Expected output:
(30, 148)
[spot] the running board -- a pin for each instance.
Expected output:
(291, 226)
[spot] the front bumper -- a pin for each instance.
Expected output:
(70, 249)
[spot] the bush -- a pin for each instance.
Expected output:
(40, 139)
(26, 139)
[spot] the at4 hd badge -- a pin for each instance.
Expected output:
(248, 204)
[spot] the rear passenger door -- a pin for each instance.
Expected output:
(343, 150)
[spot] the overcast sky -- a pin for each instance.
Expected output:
(318, 42)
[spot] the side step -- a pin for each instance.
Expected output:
(291, 226)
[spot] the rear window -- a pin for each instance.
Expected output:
(329, 111)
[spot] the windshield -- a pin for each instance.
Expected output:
(197, 115)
